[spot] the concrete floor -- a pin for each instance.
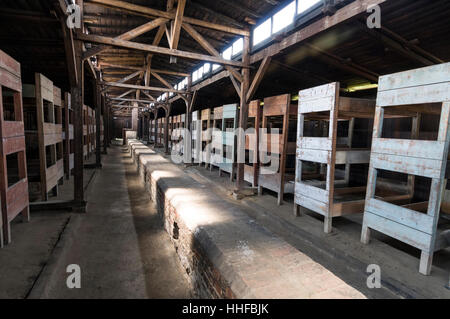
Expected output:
(119, 244)
(22, 261)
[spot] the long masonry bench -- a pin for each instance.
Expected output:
(225, 253)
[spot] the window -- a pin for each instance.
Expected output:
(215, 66)
(262, 32)
(238, 46)
(304, 5)
(195, 76)
(206, 68)
(284, 17)
(200, 72)
(228, 53)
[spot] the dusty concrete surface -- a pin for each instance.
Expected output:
(22, 261)
(119, 245)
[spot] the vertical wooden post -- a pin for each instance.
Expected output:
(156, 127)
(98, 111)
(134, 117)
(105, 126)
(187, 140)
(77, 104)
(243, 116)
(166, 128)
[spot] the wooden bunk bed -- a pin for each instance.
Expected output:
(91, 130)
(170, 132)
(326, 152)
(417, 93)
(43, 133)
(216, 146)
(276, 171)
(14, 180)
(196, 138)
(68, 137)
(85, 132)
(229, 124)
(152, 131)
(182, 133)
(251, 143)
(102, 132)
(207, 118)
(160, 132)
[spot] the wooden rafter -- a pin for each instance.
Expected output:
(129, 35)
(140, 87)
(258, 78)
(142, 10)
(158, 50)
(167, 84)
(105, 65)
(345, 65)
(208, 47)
(130, 100)
(175, 37)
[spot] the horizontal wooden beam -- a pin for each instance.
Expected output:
(169, 72)
(155, 49)
(130, 100)
(128, 35)
(345, 65)
(140, 87)
(104, 65)
(146, 11)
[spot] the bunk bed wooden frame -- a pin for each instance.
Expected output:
(206, 122)
(408, 94)
(85, 132)
(13, 198)
(251, 167)
(196, 137)
(227, 162)
(281, 182)
(327, 195)
(47, 134)
(68, 136)
(216, 155)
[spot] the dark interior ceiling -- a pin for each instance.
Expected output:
(350, 53)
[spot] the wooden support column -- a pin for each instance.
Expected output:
(166, 128)
(150, 128)
(155, 131)
(98, 114)
(243, 116)
(77, 104)
(134, 117)
(105, 126)
(187, 124)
